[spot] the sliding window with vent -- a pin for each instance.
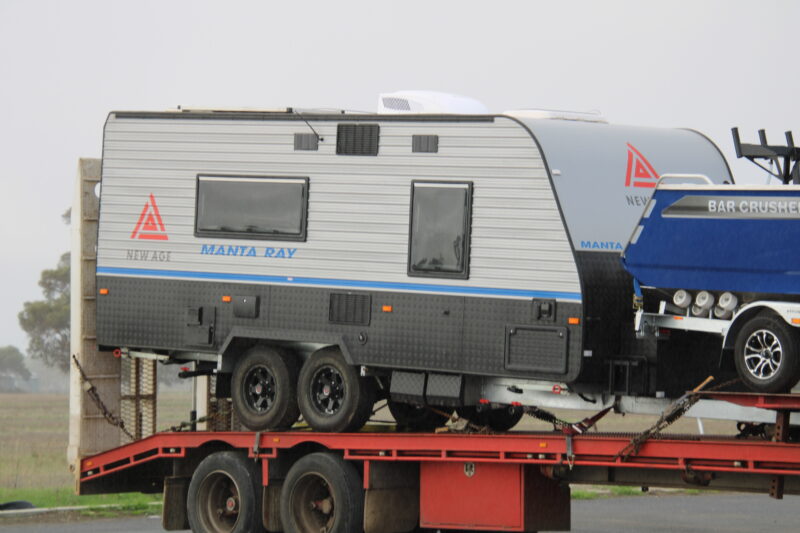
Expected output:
(246, 207)
(440, 229)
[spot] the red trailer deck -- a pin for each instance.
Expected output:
(504, 482)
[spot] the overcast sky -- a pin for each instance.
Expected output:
(706, 65)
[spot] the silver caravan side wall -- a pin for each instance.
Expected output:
(357, 242)
(165, 293)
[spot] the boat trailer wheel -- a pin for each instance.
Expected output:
(763, 354)
(767, 354)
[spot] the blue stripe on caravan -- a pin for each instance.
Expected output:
(353, 284)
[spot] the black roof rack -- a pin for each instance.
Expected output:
(780, 156)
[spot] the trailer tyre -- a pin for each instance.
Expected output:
(264, 389)
(416, 417)
(225, 495)
(498, 419)
(322, 492)
(504, 418)
(331, 395)
(767, 355)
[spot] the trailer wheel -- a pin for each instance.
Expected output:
(322, 492)
(263, 389)
(225, 495)
(415, 417)
(498, 419)
(331, 395)
(504, 418)
(766, 354)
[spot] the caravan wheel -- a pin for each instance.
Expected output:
(331, 395)
(263, 389)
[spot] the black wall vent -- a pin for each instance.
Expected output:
(357, 139)
(350, 309)
(425, 143)
(306, 141)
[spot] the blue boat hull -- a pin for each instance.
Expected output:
(724, 238)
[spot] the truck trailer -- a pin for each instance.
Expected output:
(395, 482)
(385, 480)
(314, 261)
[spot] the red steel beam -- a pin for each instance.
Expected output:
(713, 455)
(789, 402)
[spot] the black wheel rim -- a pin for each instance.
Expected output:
(219, 502)
(312, 505)
(762, 354)
(259, 389)
(327, 390)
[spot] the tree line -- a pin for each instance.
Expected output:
(46, 322)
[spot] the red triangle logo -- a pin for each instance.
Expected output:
(640, 173)
(150, 223)
(150, 226)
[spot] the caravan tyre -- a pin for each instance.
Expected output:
(331, 395)
(225, 495)
(369, 395)
(263, 389)
(767, 355)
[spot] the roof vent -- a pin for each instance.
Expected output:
(431, 102)
(395, 103)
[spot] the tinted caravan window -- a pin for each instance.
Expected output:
(440, 223)
(252, 207)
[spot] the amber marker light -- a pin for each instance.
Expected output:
(678, 317)
(226, 299)
(573, 321)
(387, 309)
(796, 321)
(103, 291)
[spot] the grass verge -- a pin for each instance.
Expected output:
(132, 502)
(613, 491)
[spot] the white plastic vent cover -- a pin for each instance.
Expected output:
(429, 102)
